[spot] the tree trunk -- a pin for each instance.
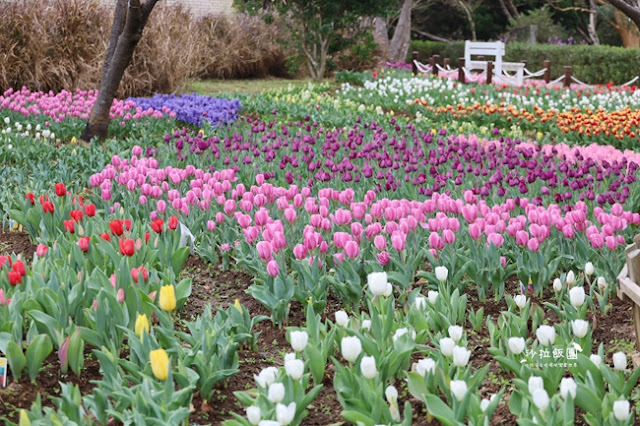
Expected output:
(631, 11)
(402, 34)
(472, 24)
(628, 32)
(129, 20)
(593, 34)
(381, 36)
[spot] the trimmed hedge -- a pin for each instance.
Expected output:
(591, 64)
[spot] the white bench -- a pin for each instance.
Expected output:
(496, 50)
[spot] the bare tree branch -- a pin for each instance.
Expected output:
(431, 36)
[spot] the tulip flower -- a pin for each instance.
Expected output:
(60, 189)
(69, 226)
(116, 227)
(90, 210)
(14, 278)
(342, 319)
(377, 282)
(516, 345)
(127, 247)
(294, 368)
(167, 299)
(534, 383)
(41, 250)
(455, 332)
(446, 346)
(299, 340)
(285, 413)
(570, 279)
(368, 367)
(424, 366)
(568, 386)
(588, 269)
(273, 268)
(433, 296)
(458, 389)
(546, 335)
(620, 361)
(621, 410)
(18, 266)
(47, 207)
(540, 399)
(157, 225)
(521, 300)
(441, 273)
(173, 222)
(266, 377)
(557, 284)
(159, 363)
(254, 415)
(461, 356)
(135, 274)
(350, 348)
(580, 328)
(276, 392)
(83, 243)
(120, 295)
(577, 296)
(596, 359)
(142, 325)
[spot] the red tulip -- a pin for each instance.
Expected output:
(60, 189)
(127, 224)
(14, 277)
(135, 273)
(31, 197)
(146, 237)
(157, 225)
(127, 247)
(18, 266)
(173, 222)
(47, 207)
(3, 260)
(90, 210)
(83, 243)
(106, 236)
(76, 215)
(116, 227)
(41, 250)
(69, 226)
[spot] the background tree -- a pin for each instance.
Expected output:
(129, 20)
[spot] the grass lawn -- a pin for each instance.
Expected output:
(252, 85)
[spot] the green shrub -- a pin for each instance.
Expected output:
(591, 64)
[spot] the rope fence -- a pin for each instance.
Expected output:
(489, 73)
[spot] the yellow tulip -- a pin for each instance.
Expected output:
(24, 418)
(237, 305)
(167, 300)
(159, 363)
(142, 325)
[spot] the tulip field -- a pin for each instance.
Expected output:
(403, 251)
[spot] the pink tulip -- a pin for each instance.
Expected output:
(435, 241)
(324, 247)
(398, 241)
(495, 239)
(596, 240)
(225, 247)
(380, 242)
(338, 258)
(612, 242)
(448, 236)
(272, 268)
(503, 261)
(120, 295)
(211, 225)
(383, 258)
(41, 250)
(290, 215)
(264, 250)
(533, 244)
(474, 231)
(112, 279)
(3, 298)
(522, 238)
(279, 241)
(299, 251)
(351, 249)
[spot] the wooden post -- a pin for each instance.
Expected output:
(461, 65)
(633, 268)
(414, 67)
(436, 60)
(447, 62)
(489, 72)
(547, 73)
(567, 76)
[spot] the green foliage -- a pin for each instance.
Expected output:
(591, 64)
(541, 18)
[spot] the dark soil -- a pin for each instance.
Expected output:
(16, 242)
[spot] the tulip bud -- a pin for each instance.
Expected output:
(159, 363)
(577, 296)
(294, 368)
(368, 367)
(442, 273)
(366, 325)
(521, 301)
(342, 319)
(167, 299)
(546, 335)
(535, 382)
(120, 295)
(254, 415)
(377, 282)
(455, 332)
(568, 386)
(580, 328)
(285, 413)
(461, 356)
(596, 359)
(570, 279)
(351, 348)
(621, 410)
(266, 377)
(276, 392)
(540, 399)
(602, 283)
(620, 361)
(588, 269)
(141, 325)
(299, 340)
(446, 346)
(420, 302)
(424, 366)
(433, 296)
(557, 284)
(458, 389)
(516, 345)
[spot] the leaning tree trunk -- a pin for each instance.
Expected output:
(381, 36)
(630, 10)
(401, 40)
(593, 34)
(129, 20)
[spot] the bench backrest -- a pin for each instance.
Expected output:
(484, 48)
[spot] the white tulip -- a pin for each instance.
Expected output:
(446, 346)
(420, 302)
(294, 368)
(401, 332)
(391, 393)
(602, 283)
(10, 146)
(557, 284)
(535, 382)
(299, 340)
(46, 133)
(620, 361)
(29, 127)
(285, 413)
(377, 282)
(351, 348)
(588, 269)
(461, 356)
(38, 127)
(442, 273)
(342, 319)
(37, 135)
(289, 356)
(7, 120)
(455, 332)
(484, 404)
(254, 414)
(53, 135)
(269, 423)
(366, 325)
(580, 328)
(621, 410)
(388, 291)
(577, 296)
(368, 367)
(546, 335)
(516, 345)
(424, 366)
(596, 359)
(276, 392)
(266, 377)
(570, 279)
(458, 389)
(568, 386)
(540, 399)
(433, 296)
(521, 301)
